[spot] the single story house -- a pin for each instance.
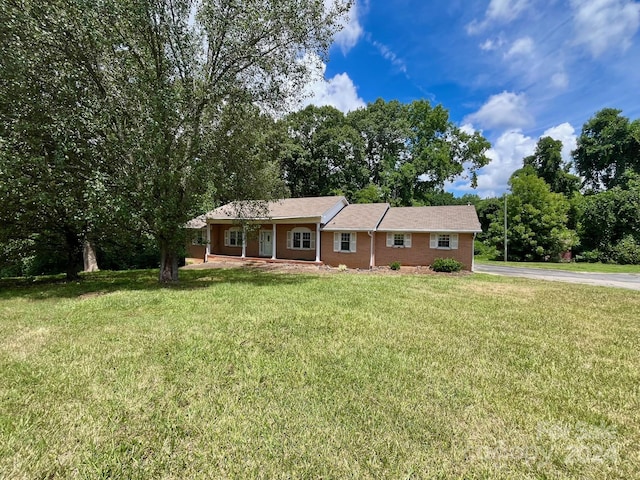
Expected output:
(329, 230)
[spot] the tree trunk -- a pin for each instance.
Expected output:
(89, 257)
(168, 265)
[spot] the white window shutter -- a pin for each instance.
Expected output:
(352, 237)
(336, 241)
(453, 241)
(226, 238)
(289, 239)
(389, 239)
(407, 240)
(433, 240)
(313, 239)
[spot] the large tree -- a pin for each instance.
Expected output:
(537, 220)
(51, 156)
(548, 165)
(159, 74)
(385, 152)
(608, 146)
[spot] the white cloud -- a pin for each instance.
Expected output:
(521, 47)
(560, 80)
(498, 11)
(338, 91)
(388, 54)
(492, 44)
(505, 110)
(507, 154)
(605, 24)
(506, 10)
(351, 30)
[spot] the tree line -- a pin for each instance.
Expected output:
(595, 214)
(120, 121)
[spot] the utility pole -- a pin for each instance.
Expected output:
(505, 226)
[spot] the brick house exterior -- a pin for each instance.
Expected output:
(329, 230)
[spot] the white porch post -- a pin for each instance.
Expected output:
(273, 243)
(244, 241)
(208, 248)
(317, 242)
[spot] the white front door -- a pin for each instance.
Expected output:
(266, 243)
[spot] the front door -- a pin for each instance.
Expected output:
(266, 243)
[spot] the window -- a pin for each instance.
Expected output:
(344, 242)
(233, 237)
(301, 238)
(444, 241)
(399, 240)
(199, 237)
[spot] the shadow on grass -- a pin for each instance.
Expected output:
(98, 283)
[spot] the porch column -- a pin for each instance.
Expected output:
(317, 242)
(207, 251)
(273, 243)
(244, 241)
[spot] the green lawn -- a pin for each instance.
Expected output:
(573, 266)
(248, 374)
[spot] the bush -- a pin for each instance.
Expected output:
(394, 265)
(591, 256)
(446, 265)
(626, 252)
(481, 249)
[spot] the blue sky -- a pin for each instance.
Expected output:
(513, 69)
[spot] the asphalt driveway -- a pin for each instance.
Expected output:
(620, 280)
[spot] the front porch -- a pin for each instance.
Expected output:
(235, 258)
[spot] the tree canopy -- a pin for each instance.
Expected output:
(608, 146)
(388, 151)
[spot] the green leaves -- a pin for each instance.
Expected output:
(406, 152)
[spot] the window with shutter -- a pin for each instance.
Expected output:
(301, 238)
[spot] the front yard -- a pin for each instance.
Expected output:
(245, 373)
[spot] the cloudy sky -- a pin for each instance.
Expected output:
(514, 69)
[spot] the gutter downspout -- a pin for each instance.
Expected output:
(317, 242)
(372, 256)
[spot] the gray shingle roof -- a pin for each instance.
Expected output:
(358, 217)
(310, 207)
(453, 218)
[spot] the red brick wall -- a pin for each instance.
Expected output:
(420, 254)
(196, 251)
(281, 243)
(358, 259)
(217, 242)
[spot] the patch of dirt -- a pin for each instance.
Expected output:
(283, 267)
(89, 295)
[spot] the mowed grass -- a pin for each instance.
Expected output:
(245, 374)
(569, 266)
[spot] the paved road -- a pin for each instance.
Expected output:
(621, 280)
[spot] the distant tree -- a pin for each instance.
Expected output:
(548, 164)
(608, 146)
(384, 128)
(608, 218)
(322, 154)
(407, 152)
(537, 221)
